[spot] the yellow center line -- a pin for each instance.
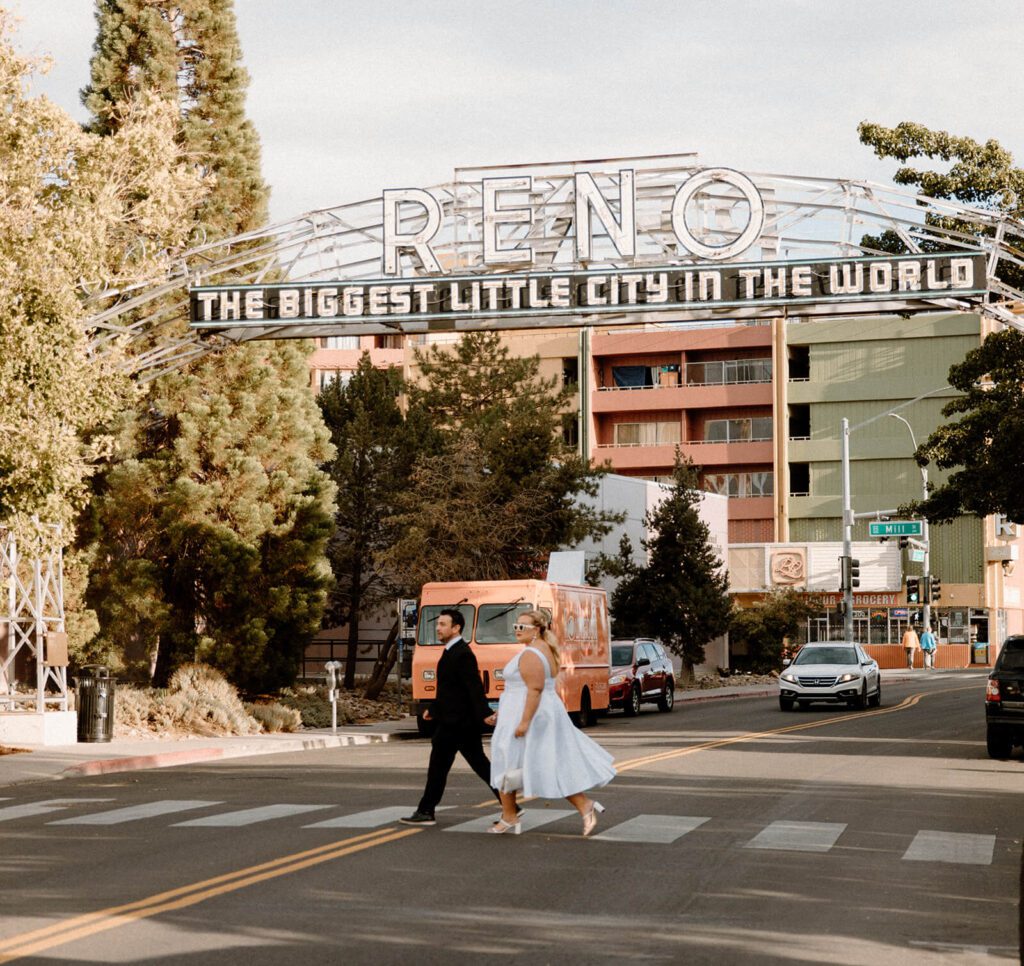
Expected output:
(80, 927)
(632, 763)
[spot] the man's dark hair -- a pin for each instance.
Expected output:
(456, 615)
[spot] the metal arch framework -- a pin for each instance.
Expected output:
(31, 613)
(804, 217)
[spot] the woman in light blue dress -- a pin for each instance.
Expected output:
(536, 747)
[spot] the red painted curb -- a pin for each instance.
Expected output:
(108, 766)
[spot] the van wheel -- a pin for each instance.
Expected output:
(632, 708)
(668, 698)
(585, 717)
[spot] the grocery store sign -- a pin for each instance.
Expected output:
(388, 304)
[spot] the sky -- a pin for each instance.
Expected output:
(352, 97)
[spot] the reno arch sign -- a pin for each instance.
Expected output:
(504, 204)
(519, 251)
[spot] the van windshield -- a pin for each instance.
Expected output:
(426, 633)
(494, 625)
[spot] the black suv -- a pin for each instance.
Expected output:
(1004, 700)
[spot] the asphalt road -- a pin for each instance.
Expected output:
(735, 834)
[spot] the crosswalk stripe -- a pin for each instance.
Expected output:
(797, 836)
(533, 818)
(248, 816)
(959, 847)
(372, 818)
(652, 828)
(11, 812)
(135, 812)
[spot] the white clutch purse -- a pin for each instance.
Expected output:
(512, 780)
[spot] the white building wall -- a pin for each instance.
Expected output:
(636, 498)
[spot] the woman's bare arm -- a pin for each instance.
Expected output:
(532, 670)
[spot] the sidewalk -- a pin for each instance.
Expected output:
(40, 763)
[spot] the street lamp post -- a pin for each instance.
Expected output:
(926, 591)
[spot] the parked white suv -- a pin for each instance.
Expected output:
(837, 672)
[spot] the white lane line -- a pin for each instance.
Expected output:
(11, 812)
(652, 828)
(372, 818)
(533, 818)
(958, 847)
(248, 816)
(797, 836)
(134, 813)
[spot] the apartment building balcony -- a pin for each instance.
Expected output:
(614, 399)
(661, 456)
(349, 358)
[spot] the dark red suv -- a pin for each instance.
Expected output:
(641, 671)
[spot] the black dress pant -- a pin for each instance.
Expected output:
(448, 741)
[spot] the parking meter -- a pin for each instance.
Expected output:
(331, 669)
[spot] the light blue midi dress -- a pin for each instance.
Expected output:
(557, 758)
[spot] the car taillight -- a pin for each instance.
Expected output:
(992, 690)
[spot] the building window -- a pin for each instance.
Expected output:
(799, 363)
(740, 484)
(644, 377)
(326, 376)
(571, 429)
(647, 434)
(800, 421)
(799, 479)
(570, 371)
(341, 342)
(387, 341)
(729, 372)
(756, 429)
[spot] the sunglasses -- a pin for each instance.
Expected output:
(523, 627)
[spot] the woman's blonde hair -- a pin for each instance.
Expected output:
(541, 618)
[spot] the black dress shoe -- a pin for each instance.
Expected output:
(418, 818)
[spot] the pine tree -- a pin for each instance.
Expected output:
(220, 462)
(499, 421)
(377, 445)
(681, 594)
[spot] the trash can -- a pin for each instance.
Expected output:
(95, 704)
(979, 654)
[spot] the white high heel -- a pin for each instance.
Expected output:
(501, 827)
(590, 819)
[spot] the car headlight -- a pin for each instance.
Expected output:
(790, 677)
(843, 678)
(429, 675)
(617, 679)
(499, 674)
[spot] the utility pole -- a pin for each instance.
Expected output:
(926, 590)
(844, 567)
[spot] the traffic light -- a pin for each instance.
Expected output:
(849, 573)
(935, 589)
(854, 572)
(904, 543)
(913, 590)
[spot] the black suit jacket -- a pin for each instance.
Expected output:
(460, 700)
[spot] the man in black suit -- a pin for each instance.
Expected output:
(459, 711)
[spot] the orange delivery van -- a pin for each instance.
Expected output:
(490, 608)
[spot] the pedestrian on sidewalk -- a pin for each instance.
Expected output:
(910, 645)
(459, 711)
(536, 748)
(928, 648)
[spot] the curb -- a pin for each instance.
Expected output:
(767, 691)
(168, 759)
